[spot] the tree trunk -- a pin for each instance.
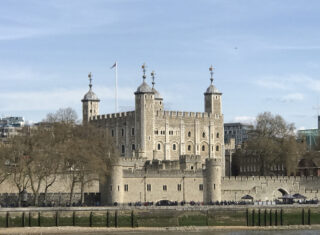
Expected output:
(71, 192)
(82, 193)
(36, 199)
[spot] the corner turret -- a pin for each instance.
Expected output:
(144, 116)
(212, 98)
(90, 103)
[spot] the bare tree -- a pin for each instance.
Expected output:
(91, 153)
(36, 156)
(272, 143)
(63, 115)
(16, 161)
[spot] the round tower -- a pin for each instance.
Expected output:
(213, 179)
(90, 103)
(114, 188)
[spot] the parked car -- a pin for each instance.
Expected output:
(164, 203)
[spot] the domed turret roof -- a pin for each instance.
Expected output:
(212, 89)
(144, 88)
(156, 94)
(90, 95)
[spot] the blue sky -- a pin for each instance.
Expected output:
(265, 54)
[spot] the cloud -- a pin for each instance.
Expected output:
(57, 98)
(292, 97)
(244, 119)
(272, 84)
(52, 18)
(295, 48)
(289, 82)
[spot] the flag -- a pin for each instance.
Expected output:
(115, 64)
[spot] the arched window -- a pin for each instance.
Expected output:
(217, 148)
(174, 147)
(112, 133)
(203, 135)
(133, 147)
(122, 149)
(122, 132)
(218, 135)
(189, 147)
(203, 148)
(189, 134)
(159, 146)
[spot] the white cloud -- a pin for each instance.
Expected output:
(271, 84)
(54, 99)
(289, 82)
(244, 119)
(53, 17)
(292, 97)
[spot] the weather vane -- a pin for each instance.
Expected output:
(144, 71)
(211, 73)
(152, 75)
(90, 79)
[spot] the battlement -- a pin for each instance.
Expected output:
(269, 178)
(190, 158)
(131, 162)
(214, 161)
(112, 116)
(182, 114)
(151, 173)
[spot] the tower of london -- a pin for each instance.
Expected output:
(152, 133)
(150, 138)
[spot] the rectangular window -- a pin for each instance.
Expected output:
(156, 132)
(132, 131)
(201, 187)
(126, 188)
(164, 187)
(179, 187)
(148, 187)
(122, 132)
(122, 149)
(170, 132)
(112, 133)
(133, 147)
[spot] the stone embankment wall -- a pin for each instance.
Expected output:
(58, 193)
(269, 188)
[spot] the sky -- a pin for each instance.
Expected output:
(266, 55)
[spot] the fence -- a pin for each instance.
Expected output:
(160, 217)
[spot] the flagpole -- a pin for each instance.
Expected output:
(116, 92)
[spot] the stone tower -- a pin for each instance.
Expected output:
(213, 179)
(212, 98)
(144, 118)
(90, 103)
(158, 100)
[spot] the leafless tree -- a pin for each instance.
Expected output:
(272, 142)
